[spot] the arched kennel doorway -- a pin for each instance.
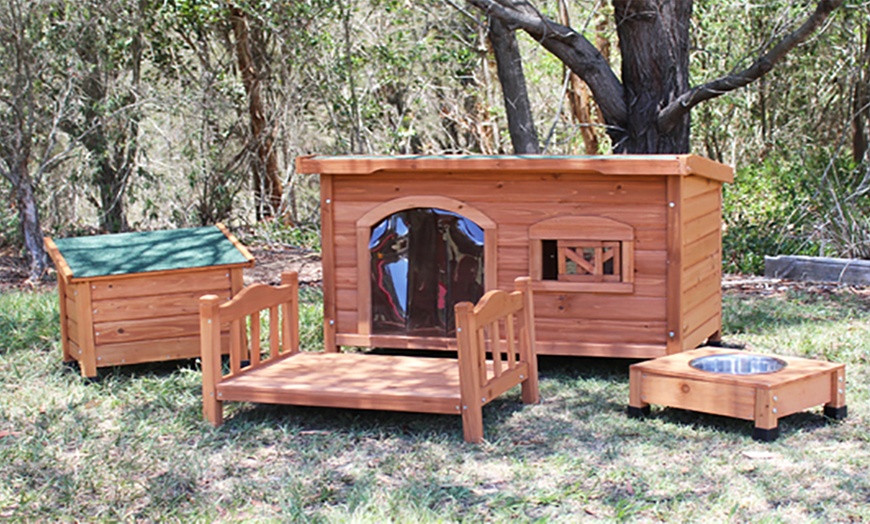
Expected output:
(418, 258)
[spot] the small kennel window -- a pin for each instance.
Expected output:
(582, 254)
(423, 262)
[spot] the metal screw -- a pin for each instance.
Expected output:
(775, 398)
(840, 379)
(459, 330)
(465, 407)
(774, 410)
(332, 322)
(671, 204)
(840, 391)
(671, 334)
(483, 399)
(328, 200)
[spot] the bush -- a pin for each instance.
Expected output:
(767, 211)
(785, 206)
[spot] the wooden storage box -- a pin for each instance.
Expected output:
(134, 297)
(645, 229)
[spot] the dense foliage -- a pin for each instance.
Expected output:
(136, 114)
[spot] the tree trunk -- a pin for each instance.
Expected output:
(106, 143)
(28, 216)
(861, 104)
(654, 43)
(582, 104)
(268, 189)
(521, 123)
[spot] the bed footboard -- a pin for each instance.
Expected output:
(242, 314)
(502, 324)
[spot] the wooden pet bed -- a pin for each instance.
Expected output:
(279, 373)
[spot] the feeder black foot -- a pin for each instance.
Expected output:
(634, 412)
(765, 435)
(836, 413)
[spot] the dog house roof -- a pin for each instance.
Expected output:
(616, 165)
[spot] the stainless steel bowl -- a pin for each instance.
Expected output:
(738, 364)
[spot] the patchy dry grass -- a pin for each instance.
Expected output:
(133, 446)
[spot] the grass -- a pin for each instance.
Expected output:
(133, 446)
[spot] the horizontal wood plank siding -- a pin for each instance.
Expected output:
(514, 203)
(701, 275)
(164, 305)
(143, 284)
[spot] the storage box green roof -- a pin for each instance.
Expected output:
(143, 252)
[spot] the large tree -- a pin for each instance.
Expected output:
(32, 102)
(646, 108)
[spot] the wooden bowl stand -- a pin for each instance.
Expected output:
(763, 398)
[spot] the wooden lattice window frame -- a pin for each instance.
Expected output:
(581, 246)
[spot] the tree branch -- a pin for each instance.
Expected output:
(671, 115)
(570, 47)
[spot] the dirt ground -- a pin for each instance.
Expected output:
(272, 260)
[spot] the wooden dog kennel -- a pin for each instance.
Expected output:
(624, 251)
(133, 297)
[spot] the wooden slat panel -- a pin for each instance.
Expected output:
(73, 330)
(695, 395)
(695, 185)
(540, 189)
(675, 241)
(70, 308)
(702, 248)
(616, 166)
(802, 394)
(598, 307)
(151, 329)
(146, 285)
(580, 348)
(706, 309)
(396, 341)
(702, 333)
(352, 381)
(153, 351)
(694, 275)
(701, 205)
(706, 289)
(164, 305)
(701, 227)
(612, 331)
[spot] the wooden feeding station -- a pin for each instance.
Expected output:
(739, 384)
(134, 297)
(624, 251)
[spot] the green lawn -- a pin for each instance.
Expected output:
(133, 446)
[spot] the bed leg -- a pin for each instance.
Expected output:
(212, 409)
(210, 351)
(472, 423)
